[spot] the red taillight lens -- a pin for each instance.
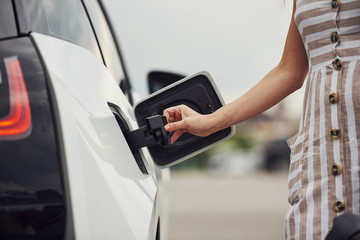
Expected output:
(17, 124)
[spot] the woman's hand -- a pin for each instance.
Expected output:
(183, 119)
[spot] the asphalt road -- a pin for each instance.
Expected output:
(205, 206)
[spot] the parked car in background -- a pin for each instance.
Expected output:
(78, 160)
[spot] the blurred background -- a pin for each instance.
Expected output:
(237, 190)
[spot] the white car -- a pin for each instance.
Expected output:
(78, 161)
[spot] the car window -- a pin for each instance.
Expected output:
(106, 40)
(108, 45)
(65, 19)
(7, 20)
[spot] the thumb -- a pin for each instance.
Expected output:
(171, 127)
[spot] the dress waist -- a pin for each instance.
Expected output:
(333, 63)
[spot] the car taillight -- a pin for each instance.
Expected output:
(17, 124)
(32, 193)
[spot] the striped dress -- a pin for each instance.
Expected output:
(324, 171)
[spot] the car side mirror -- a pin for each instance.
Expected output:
(160, 79)
(198, 92)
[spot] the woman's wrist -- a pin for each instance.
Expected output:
(218, 120)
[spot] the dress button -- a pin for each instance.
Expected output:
(335, 3)
(334, 37)
(336, 169)
(337, 64)
(339, 206)
(333, 98)
(335, 134)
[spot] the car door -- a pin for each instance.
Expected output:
(104, 171)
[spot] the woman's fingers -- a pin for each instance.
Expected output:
(172, 114)
(183, 119)
(174, 126)
(176, 135)
(168, 113)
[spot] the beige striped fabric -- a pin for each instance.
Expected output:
(324, 169)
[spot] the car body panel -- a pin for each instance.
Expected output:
(110, 197)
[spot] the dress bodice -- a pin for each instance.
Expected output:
(330, 30)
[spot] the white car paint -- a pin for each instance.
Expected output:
(110, 197)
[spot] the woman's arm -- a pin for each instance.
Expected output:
(285, 78)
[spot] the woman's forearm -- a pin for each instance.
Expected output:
(275, 86)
